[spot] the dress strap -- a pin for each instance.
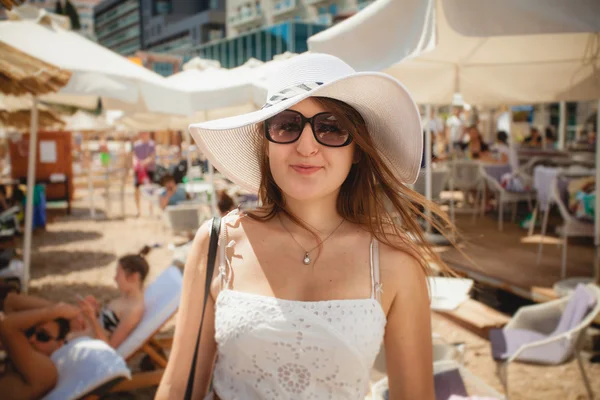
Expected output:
(376, 286)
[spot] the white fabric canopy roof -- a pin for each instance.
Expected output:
(522, 17)
(96, 70)
(82, 121)
(485, 70)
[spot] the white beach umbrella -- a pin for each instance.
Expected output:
(96, 70)
(490, 52)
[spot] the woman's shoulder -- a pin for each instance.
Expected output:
(399, 264)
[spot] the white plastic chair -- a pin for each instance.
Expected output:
(572, 227)
(464, 176)
(186, 216)
(504, 196)
(552, 349)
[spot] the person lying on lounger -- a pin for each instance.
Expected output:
(116, 320)
(30, 335)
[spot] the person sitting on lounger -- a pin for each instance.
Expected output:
(172, 194)
(115, 321)
(30, 334)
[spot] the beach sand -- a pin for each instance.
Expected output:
(77, 255)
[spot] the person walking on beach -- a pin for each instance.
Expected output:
(308, 286)
(144, 164)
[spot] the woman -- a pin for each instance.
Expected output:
(311, 283)
(114, 322)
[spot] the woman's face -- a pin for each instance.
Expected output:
(306, 169)
(123, 280)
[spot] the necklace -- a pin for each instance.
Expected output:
(306, 260)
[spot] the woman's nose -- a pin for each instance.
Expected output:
(307, 144)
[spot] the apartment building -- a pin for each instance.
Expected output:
(171, 25)
(117, 25)
(262, 29)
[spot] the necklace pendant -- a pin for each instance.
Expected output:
(306, 260)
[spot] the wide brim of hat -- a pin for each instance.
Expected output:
(233, 145)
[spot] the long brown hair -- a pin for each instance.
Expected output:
(371, 196)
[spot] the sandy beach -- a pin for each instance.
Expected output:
(77, 255)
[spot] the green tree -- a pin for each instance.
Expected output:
(71, 12)
(58, 9)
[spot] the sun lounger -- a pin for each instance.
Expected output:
(86, 366)
(161, 299)
(82, 375)
(549, 333)
(450, 379)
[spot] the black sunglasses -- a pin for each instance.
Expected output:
(40, 335)
(287, 126)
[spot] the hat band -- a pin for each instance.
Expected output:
(288, 93)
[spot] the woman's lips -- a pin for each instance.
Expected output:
(305, 169)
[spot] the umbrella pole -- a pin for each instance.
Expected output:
(562, 125)
(428, 166)
(188, 143)
(597, 205)
(30, 192)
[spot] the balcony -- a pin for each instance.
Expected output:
(248, 16)
(284, 7)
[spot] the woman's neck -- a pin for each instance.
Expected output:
(319, 214)
(133, 293)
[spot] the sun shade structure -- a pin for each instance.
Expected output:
(20, 120)
(35, 77)
(22, 74)
(9, 4)
(526, 52)
(96, 71)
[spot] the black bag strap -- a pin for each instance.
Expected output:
(210, 267)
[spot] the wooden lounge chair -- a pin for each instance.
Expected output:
(161, 299)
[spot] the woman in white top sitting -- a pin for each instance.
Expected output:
(309, 285)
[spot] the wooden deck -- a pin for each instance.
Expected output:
(507, 259)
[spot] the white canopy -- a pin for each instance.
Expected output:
(83, 121)
(485, 70)
(97, 71)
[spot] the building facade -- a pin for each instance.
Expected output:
(169, 25)
(262, 29)
(117, 25)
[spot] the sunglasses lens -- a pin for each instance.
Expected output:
(42, 336)
(285, 127)
(329, 132)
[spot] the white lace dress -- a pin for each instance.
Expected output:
(269, 348)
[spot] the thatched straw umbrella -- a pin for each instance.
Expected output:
(9, 4)
(22, 74)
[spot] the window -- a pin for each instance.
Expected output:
(214, 4)
(333, 9)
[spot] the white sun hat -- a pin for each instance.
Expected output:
(233, 145)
